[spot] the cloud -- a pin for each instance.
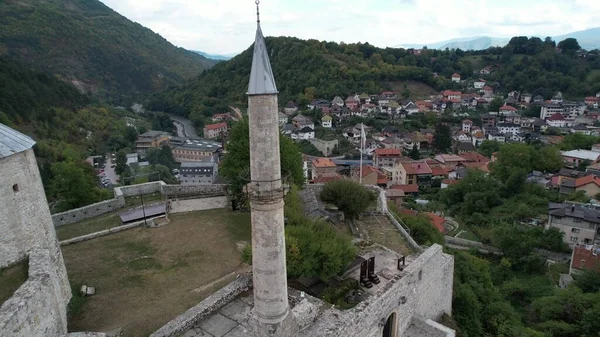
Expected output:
(228, 26)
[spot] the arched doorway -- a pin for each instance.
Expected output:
(389, 329)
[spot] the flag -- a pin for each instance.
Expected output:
(363, 137)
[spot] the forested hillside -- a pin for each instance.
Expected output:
(67, 127)
(92, 46)
(311, 69)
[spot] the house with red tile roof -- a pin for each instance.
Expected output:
(450, 160)
(585, 258)
(505, 109)
(411, 189)
(474, 157)
(589, 184)
(214, 130)
(327, 177)
(414, 172)
(455, 77)
(449, 182)
(386, 157)
(370, 176)
(322, 165)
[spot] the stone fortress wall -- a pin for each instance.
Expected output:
(422, 290)
(118, 201)
(38, 307)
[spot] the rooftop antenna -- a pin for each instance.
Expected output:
(257, 2)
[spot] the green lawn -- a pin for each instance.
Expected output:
(145, 277)
(104, 221)
(466, 234)
(88, 226)
(11, 279)
(148, 199)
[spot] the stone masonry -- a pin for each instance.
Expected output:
(38, 307)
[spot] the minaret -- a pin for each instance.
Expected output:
(271, 314)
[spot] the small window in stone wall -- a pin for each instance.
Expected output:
(420, 275)
(16, 188)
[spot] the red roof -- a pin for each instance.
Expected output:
(556, 117)
(416, 167)
(327, 177)
(367, 169)
(412, 188)
(467, 121)
(473, 157)
(323, 162)
(507, 108)
(388, 153)
(216, 126)
(451, 93)
(591, 179)
(482, 166)
(586, 258)
(456, 75)
(439, 171)
(450, 182)
(487, 88)
(437, 221)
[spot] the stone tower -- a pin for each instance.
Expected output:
(271, 314)
(39, 307)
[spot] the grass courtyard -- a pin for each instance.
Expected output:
(144, 277)
(104, 221)
(11, 279)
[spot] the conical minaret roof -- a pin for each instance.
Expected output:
(261, 75)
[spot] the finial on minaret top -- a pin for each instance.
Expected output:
(261, 75)
(257, 2)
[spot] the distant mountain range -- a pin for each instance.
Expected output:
(214, 56)
(588, 39)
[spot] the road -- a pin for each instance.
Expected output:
(109, 172)
(184, 127)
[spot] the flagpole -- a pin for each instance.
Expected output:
(362, 132)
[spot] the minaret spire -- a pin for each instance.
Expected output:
(266, 189)
(261, 76)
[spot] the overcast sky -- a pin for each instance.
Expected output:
(228, 26)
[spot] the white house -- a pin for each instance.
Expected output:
(326, 121)
(557, 120)
(463, 137)
(508, 127)
(455, 77)
(466, 125)
(411, 108)
(479, 84)
(306, 133)
(497, 137)
(283, 119)
(338, 101)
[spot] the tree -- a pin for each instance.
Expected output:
(121, 162)
(348, 196)
(414, 153)
(72, 187)
(161, 156)
(442, 138)
(569, 45)
(488, 147)
(496, 104)
(236, 163)
(512, 157)
(548, 159)
(589, 281)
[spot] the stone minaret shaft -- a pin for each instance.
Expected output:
(266, 192)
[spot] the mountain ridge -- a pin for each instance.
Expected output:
(216, 57)
(588, 39)
(92, 46)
